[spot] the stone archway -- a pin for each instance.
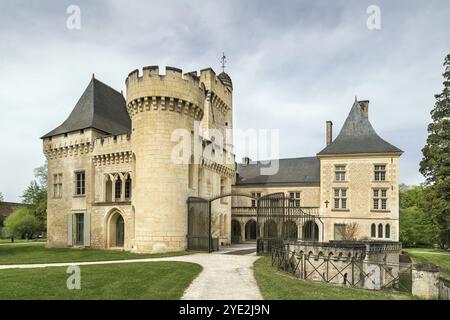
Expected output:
(310, 231)
(115, 229)
(250, 230)
(235, 231)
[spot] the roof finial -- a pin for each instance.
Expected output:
(93, 76)
(356, 98)
(223, 61)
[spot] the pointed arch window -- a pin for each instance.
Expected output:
(380, 231)
(387, 231)
(373, 230)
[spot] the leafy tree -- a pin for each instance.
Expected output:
(35, 195)
(417, 227)
(23, 223)
(1, 197)
(435, 165)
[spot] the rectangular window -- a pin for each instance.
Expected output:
(57, 185)
(294, 199)
(339, 172)
(380, 199)
(80, 183)
(79, 228)
(256, 195)
(340, 198)
(339, 231)
(380, 172)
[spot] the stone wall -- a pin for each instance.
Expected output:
(359, 183)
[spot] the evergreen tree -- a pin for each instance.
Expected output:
(435, 165)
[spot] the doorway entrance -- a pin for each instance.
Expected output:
(250, 230)
(120, 232)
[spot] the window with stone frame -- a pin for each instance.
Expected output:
(256, 195)
(128, 188)
(339, 172)
(373, 230)
(79, 228)
(80, 183)
(380, 172)
(118, 189)
(340, 198)
(294, 199)
(57, 185)
(380, 200)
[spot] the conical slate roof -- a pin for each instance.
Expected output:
(100, 107)
(358, 136)
(226, 80)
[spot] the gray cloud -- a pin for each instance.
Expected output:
(294, 64)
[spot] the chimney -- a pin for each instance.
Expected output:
(364, 107)
(329, 132)
(246, 161)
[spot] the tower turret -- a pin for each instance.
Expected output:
(158, 105)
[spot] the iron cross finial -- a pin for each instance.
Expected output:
(223, 61)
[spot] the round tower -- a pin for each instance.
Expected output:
(158, 105)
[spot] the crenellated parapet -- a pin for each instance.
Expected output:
(217, 167)
(217, 102)
(53, 152)
(102, 160)
(110, 144)
(153, 92)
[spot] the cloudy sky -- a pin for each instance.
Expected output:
(294, 65)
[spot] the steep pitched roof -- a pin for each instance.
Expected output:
(100, 107)
(358, 136)
(295, 170)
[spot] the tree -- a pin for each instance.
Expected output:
(23, 223)
(435, 165)
(349, 231)
(1, 197)
(417, 227)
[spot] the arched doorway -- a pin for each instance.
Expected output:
(290, 230)
(250, 230)
(235, 231)
(270, 229)
(115, 230)
(310, 231)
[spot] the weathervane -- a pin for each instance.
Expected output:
(223, 61)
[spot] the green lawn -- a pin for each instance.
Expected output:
(278, 285)
(37, 253)
(438, 257)
(146, 280)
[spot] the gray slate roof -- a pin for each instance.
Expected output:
(358, 136)
(100, 107)
(296, 170)
(226, 80)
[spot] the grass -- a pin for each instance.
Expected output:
(38, 253)
(278, 285)
(137, 281)
(439, 257)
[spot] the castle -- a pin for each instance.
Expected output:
(120, 176)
